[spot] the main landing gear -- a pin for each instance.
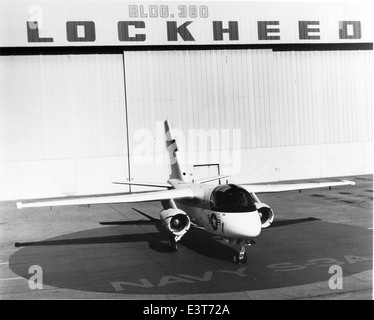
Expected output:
(173, 243)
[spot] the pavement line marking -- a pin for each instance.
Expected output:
(9, 250)
(3, 263)
(16, 278)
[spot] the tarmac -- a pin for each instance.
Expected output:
(319, 237)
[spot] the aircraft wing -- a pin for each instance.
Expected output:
(263, 188)
(123, 198)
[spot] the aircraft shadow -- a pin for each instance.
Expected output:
(197, 240)
(100, 260)
(282, 223)
(95, 240)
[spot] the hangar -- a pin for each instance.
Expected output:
(263, 91)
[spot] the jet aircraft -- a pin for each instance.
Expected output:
(229, 211)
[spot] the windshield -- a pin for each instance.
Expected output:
(231, 198)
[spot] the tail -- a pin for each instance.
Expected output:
(172, 149)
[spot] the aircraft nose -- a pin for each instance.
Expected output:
(253, 224)
(243, 224)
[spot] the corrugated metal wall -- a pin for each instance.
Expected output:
(283, 102)
(61, 117)
(61, 106)
(275, 98)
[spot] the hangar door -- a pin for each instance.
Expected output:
(62, 125)
(294, 111)
(194, 90)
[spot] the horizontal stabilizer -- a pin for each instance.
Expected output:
(211, 179)
(144, 184)
(263, 188)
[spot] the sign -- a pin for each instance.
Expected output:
(124, 23)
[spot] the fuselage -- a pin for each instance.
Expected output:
(225, 210)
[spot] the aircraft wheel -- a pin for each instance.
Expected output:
(236, 260)
(245, 259)
(172, 243)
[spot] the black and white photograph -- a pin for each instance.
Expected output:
(203, 152)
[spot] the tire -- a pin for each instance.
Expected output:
(245, 259)
(173, 244)
(235, 259)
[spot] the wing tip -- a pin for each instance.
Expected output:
(348, 182)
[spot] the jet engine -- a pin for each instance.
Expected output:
(175, 221)
(266, 214)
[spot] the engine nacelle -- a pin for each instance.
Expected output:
(266, 214)
(175, 221)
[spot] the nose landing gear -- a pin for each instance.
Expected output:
(241, 256)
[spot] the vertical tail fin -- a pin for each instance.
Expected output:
(172, 149)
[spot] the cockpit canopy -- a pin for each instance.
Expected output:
(231, 198)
